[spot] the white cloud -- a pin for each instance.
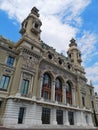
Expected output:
(54, 32)
(58, 34)
(87, 45)
(92, 74)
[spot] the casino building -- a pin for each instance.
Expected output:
(39, 86)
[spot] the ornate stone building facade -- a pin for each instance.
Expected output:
(40, 86)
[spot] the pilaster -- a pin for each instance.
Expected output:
(31, 87)
(90, 120)
(66, 120)
(74, 97)
(79, 100)
(53, 117)
(83, 120)
(36, 118)
(41, 83)
(64, 94)
(53, 91)
(19, 87)
(77, 119)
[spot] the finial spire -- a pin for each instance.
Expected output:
(73, 42)
(91, 83)
(35, 11)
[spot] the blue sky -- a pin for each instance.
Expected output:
(61, 21)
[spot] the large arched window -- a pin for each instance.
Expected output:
(47, 80)
(46, 87)
(68, 93)
(58, 90)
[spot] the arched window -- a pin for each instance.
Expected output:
(58, 84)
(68, 93)
(47, 80)
(46, 87)
(58, 90)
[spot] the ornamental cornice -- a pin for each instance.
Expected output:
(30, 41)
(44, 102)
(9, 50)
(25, 52)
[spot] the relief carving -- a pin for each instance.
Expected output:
(27, 76)
(30, 61)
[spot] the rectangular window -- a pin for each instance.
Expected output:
(4, 82)
(71, 117)
(45, 116)
(10, 61)
(59, 117)
(21, 115)
(83, 101)
(24, 87)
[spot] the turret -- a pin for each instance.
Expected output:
(31, 25)
(74, 53)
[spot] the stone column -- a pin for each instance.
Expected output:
(83, 120)
(90, 120)
(65, 118)
(34, 110)
(53, 117)
(74, 97)
(53, 91)
(41, 83)
(64, 94)
(77, 120)
(19, 88)
(31, 87)
(79, 99)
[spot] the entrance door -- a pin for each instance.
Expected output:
(59, 117)
(71, 117)
(21, 114)
(45, 116)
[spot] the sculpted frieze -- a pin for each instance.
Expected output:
(30, 61)
(56, 71)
